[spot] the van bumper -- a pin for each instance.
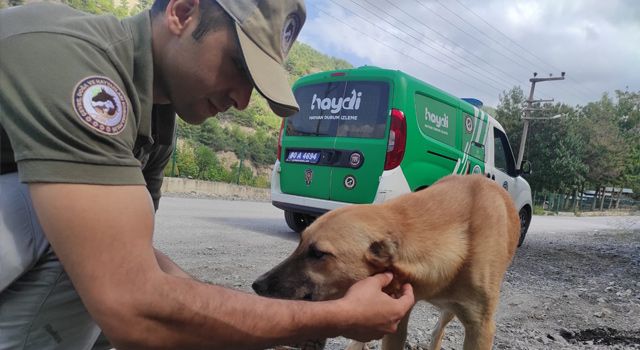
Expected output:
(298, 204)
(392, 184)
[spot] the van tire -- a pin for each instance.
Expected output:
(297, 221)
(525, 220)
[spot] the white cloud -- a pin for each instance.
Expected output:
(443, 43)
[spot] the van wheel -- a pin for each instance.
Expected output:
(297, 221)
(525, 220)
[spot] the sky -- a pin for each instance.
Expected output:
(482, 48)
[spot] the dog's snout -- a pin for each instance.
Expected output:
(259, 287)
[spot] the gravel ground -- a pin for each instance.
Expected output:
(574, 284)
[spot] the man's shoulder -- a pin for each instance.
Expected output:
(60, 19)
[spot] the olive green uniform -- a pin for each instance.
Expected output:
(76, 106)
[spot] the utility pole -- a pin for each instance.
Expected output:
(529, 108)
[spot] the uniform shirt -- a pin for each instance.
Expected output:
(76, 101)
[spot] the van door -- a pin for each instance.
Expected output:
(502, 164)
(338, 135)
(361, 143)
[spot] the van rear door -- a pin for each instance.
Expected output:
(335, 147)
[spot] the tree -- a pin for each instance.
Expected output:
(186, 160)
(205, 160)
(628, 115)
(605, 148)
(509, 114)
(556, 146)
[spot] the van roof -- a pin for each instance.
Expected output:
(399, 78)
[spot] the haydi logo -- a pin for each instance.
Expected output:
(436, 119)
(337, 104)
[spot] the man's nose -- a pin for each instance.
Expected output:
(242, 95)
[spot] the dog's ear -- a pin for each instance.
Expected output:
(381, 253)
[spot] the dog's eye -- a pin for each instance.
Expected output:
(315, 253)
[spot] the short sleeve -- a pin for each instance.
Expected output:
(66, 111)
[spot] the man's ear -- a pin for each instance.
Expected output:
(381, 253)
(180, 13)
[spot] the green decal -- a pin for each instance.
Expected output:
(436, 119)
(474, 135)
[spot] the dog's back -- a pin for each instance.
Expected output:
(458, 225)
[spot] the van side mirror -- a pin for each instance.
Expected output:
(525, 168)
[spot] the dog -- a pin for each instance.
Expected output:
(452, 241)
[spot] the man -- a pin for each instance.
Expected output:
(87, 118)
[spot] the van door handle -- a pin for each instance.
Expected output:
(493, 177)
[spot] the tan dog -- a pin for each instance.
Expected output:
(453, 242)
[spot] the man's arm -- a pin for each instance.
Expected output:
(168, 266)
(103, 237)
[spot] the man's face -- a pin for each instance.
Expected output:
(202, 78)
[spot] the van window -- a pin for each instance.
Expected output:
(341, 109)
(503, 157)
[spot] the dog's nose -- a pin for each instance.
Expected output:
(259, 288)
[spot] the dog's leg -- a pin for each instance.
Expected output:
(395, 341)
(436, 337)
(479, 324)
(479, 336)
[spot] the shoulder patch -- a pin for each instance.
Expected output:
(100, 104)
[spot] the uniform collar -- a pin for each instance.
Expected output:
(157, 121)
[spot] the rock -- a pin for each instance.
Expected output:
(599, 314)
(608, 289)
(567, 334)
(601, 300)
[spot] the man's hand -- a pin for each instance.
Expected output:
(374, 313)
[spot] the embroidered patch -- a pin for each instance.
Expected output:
(100, 103)
(289, 32)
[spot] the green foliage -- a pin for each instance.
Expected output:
(589, 147)
(509, 113)
(187, 164)
(100, 7)
(304, 60)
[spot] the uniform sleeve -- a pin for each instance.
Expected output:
(154, 174)
(66, 111)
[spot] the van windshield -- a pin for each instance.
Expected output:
(341, 109)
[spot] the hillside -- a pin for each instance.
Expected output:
(214, 150)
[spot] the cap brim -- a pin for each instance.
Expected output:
(269, 77)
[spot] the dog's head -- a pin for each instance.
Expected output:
(337, 250)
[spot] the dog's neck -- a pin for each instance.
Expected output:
(394, 288)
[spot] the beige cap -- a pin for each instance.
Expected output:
(266, 30)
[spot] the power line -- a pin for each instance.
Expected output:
(418, 48)
(483, 33)
(578, 84)
(517, 80)
(393, 48)
(455, 59)
(482, 41)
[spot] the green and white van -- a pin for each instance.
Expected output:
(366, 135)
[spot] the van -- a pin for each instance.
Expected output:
(366, 135)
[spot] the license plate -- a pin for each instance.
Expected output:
(310, 157)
